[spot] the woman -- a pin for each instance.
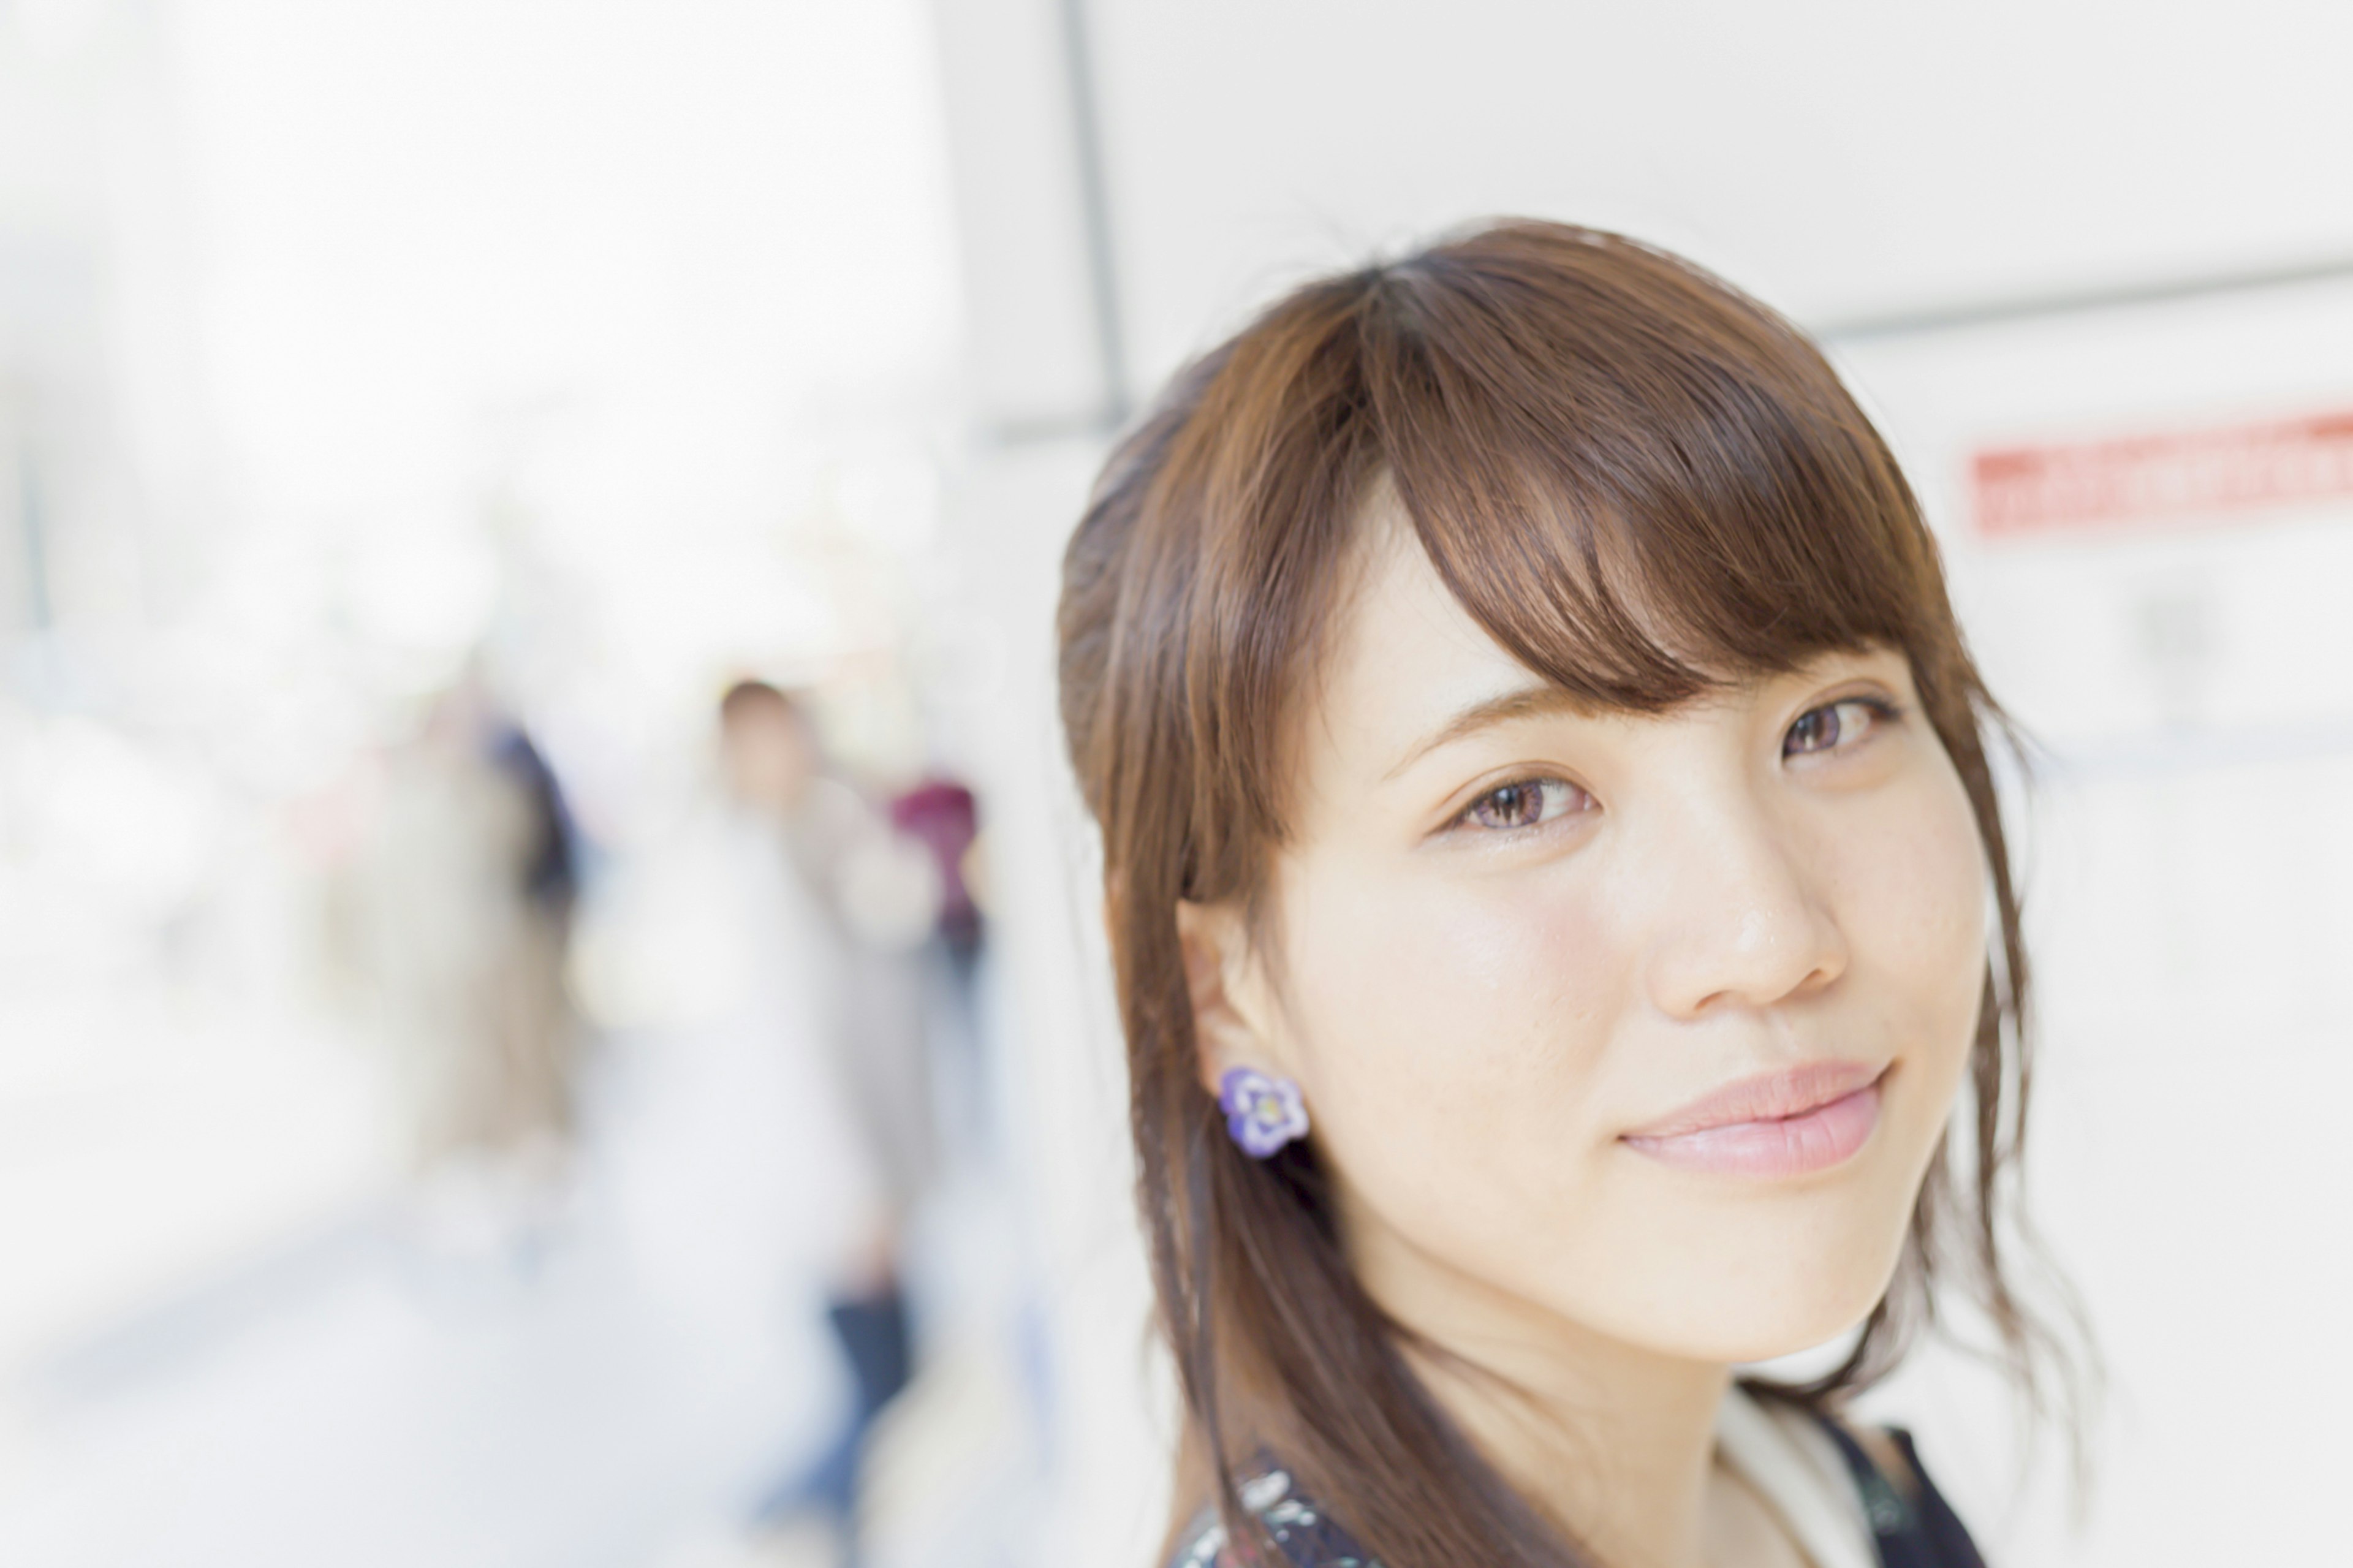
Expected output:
(1559, 905)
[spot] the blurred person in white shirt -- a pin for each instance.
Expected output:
(862, 898)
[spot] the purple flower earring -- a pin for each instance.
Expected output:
(1262, 1112)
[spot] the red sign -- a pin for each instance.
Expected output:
(2044, 490)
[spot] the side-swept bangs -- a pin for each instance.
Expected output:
(1639, 493)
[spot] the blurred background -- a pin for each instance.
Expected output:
(547, 999)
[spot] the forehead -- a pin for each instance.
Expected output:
(1407, 661)
(1407, 657)
(1409, 650)
(759, 720)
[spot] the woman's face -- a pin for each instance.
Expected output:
(1648, 1023)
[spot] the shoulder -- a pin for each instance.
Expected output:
(1306, 1535)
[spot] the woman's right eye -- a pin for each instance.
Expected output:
(1524, 803)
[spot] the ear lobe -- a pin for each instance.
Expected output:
(1225, 1032)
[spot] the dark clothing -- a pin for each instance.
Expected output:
(552, 873)
(875, 1341)
(941, 815)
(1911, 1524)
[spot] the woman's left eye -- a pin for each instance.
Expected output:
(1833, 725)
(1524, 803)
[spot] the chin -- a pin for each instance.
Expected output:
(1805, 1308)
(1800, 1326)
(1740, 1333)
(1751, 1297)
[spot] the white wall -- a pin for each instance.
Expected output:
(1845, 161)
(2190, 680)
(1838, 157)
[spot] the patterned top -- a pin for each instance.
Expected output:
(1909, 1522)
(1307, 1535)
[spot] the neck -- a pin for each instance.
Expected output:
(1613, 1443)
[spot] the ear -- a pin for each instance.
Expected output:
(1227, 985)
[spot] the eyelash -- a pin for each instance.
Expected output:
(1467, 818)
(1882, 711)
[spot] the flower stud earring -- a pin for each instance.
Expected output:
(1262, 1112)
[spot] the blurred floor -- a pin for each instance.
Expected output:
(615, 1394)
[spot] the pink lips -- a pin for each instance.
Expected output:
(1779, 1124)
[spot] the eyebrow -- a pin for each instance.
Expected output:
(1524, 703)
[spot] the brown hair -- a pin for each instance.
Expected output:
(1642, 484)
(749, 699)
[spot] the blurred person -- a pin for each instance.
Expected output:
(1558, 897)
(941, 815)
(944, 817)
(466, 893)
(857, 899)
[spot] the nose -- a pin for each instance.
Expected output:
(1740, 921)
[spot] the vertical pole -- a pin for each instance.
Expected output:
(33, 527)
(1095, 206)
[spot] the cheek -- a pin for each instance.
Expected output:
(1911, 889)
(1447, 1033)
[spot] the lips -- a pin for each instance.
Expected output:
(1784, 1123)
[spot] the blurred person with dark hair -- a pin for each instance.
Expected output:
(867, 898)
(466, 894)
